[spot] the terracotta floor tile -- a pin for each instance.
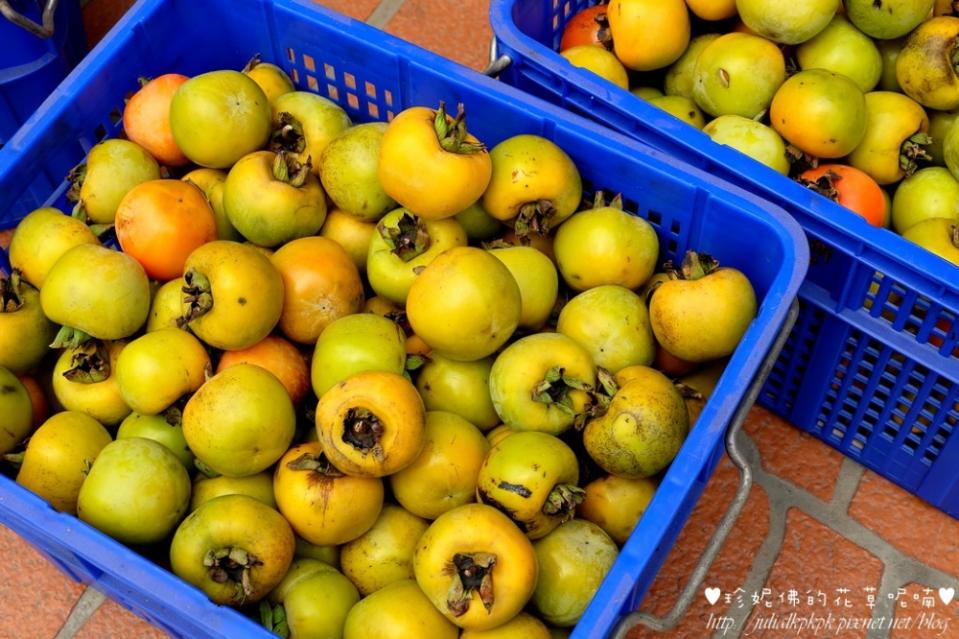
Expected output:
(731, 566)
(25, 613)
(99, 16)
(908, 523)
(921, 614)
(113, 621)
(794, 455)
(459, 31)
(359, 9)
(815, 559)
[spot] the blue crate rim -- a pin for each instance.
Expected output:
(686, 465)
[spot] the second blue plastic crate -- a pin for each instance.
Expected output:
(31, 67)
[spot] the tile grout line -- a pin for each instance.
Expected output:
(761, 567)
(769, 550)
(847, 527)
(87, 604)
(884, 608)
(847, 483)
(898, 573)
(898, 567)
(384, 12)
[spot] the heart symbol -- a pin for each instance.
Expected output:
(946, 594)
(712, 595)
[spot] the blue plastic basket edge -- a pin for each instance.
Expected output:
(32, 514)
(770, 318)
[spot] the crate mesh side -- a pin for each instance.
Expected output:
(784, 381)
(362, 98)
(906, 311)
(880, 398)
(53, 192)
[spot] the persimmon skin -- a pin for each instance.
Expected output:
(146, 119)
(160, 222)
(278, 356)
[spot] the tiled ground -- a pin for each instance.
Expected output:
(820, 540)
(816, 524)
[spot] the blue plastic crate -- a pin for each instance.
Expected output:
(872, 367)
(373, 76)
(31, 67)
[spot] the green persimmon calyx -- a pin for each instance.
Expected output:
(408, 239)
(695, 266)
(604, 34)
(75, 177)
(599, 398)
(452, 135)
(287, 168)
(534, 217)
(471, 572)
(11, 296)
(254, 62)
(174, 414)
(232, 564)
(90, 363)
(415, 362)
(205, 470)
(562, 501)
(287, 134)
(799, 161)
(80, 212)
(273, 618)
(314, 463)
(824, 185)
(69, 337)
(555, 386)
(599, 201)
(197, 296)
(913, 151)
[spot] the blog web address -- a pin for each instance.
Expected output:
(815, 624)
